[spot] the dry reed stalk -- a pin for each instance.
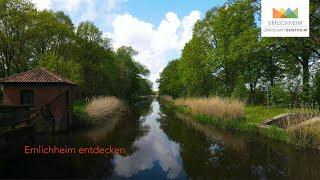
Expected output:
(307, 136)
(215, 107)
(306, 133)
(101, 107)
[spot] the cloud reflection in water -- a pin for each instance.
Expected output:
(154, 147)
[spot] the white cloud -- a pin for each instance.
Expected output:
(70, 5)
(90, 12)
(42, 4)
(114, 4)
(83, 10)
(187, 24)
(154, 147)
(66, 5)
(155, 44)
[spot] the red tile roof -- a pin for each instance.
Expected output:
(39, 75)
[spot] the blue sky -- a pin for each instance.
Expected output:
(154, 11)
(158, 29)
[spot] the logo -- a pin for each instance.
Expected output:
(291, 14)
(285, 18)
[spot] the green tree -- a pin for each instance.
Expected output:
(226, 52)
(305, 51)
(95, 55)
(30, 38)
(68, 68)
(170, 80)
(54, 32)
(131, 74)
(16, 20)
(196, 70)
(222, 28)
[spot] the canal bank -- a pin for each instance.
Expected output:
(160, 145)
(295, 127)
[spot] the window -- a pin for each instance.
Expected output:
(27, 97)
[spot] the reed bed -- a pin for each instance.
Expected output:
(101, 107)
(307, 132)
(306, 135)
(215, 107)
(296, 118)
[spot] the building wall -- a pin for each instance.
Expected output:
(42, 96)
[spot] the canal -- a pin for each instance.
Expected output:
(159, 146)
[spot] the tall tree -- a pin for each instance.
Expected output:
(131, 72)
(92, 52)
(196, 70)
(305, 51)
(16, 21)
(220, 28)
(170, 82)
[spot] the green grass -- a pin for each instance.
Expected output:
(233, 125)
(79, 106)
(276, 133)
(257, 114)
(79, 113)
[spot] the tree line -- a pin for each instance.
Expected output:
(30, 38)
(227, 57)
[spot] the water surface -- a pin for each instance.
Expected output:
(160, 146)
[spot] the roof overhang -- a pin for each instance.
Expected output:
(38, 84)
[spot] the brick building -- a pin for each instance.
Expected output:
(44, 91)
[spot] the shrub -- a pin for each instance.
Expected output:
(279, 95)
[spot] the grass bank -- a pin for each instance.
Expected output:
(235, 116)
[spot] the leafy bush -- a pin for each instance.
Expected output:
(278, 95)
